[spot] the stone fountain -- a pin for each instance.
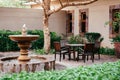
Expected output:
(24, 61)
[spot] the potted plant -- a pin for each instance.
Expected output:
(116, 41)
(93, 37)
(77, 39)
(116, 28)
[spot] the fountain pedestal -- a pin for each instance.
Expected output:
(24, 43)
(24, 51)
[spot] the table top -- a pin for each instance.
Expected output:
(75, 44)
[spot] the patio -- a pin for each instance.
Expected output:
(71, 63)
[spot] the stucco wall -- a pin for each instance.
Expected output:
(98, 15)
(14, 18)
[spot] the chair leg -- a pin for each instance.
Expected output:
(84, 57)
(63, 56)
(60, 57)
(77, 56)
(55, 55)
(98, 56)
(69, 55)
(92, 57)
(87, 57)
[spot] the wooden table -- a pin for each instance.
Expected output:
(73, 46)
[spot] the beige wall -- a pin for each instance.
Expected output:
(98, 15)
(14, 18)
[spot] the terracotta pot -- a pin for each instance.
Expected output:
(117, 49)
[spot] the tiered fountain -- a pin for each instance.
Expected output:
(24, 61)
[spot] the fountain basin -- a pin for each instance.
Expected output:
(19, 38)
(24, 42)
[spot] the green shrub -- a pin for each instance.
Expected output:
(107, 51)
(38, 44)
(116, 39)
(93, 36)
(9, 45)
(54, 37)
(5, 42)
(106, 71)
(76, 39)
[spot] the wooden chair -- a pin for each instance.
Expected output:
(60, 50)
(63, 44)
(97, 48)
(87, 51)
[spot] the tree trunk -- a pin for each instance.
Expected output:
(46, 8)
(46, 34)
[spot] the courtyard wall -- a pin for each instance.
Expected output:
(14, 18)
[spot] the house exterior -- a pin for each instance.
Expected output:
(77, 19)
(91, 18)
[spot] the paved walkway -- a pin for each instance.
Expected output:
(71, 63)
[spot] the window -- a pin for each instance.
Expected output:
(114, 26)
(69, 23)
(115, 23)
(83, 21)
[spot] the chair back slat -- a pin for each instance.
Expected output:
(89, 47)
(63, 43)
(57, 46)
(97, 44)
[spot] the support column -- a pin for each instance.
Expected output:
(76, 21)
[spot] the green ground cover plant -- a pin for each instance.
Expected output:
(42, 51)
(105, 71)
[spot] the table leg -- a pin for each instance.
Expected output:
(74, 53)
(69, 53)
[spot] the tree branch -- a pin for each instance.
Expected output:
(61, 3)
(71, 4)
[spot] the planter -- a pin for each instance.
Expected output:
(117, 49)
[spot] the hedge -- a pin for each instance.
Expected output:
(106, 71)
(8, 45)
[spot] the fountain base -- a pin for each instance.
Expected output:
(36, 63)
